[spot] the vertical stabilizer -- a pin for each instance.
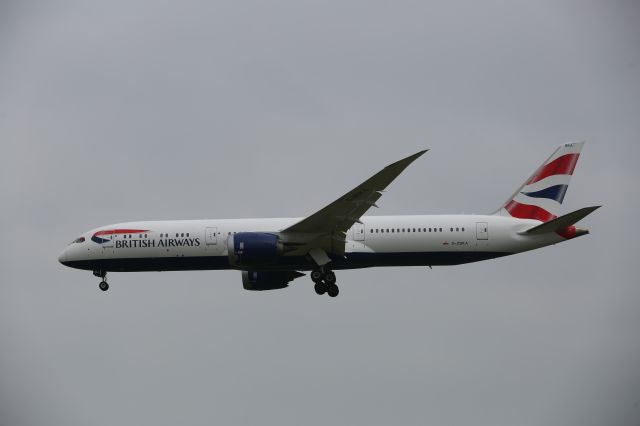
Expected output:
(540, 197)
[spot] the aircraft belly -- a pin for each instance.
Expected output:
(165, 263)
(351, 260)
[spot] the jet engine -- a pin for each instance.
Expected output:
(268, 280)
(250, 249)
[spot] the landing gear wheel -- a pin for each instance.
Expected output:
(320, 288)
(325, 281)
(316, 276)
(333, 290)
(103, 286)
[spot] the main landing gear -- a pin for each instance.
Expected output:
(103, 284)
(325, 282)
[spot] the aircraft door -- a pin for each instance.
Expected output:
(109, 242)
(358, 232)
(482, 230)
(211, 235)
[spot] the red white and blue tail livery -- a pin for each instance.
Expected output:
(271, 253)
(541, 196)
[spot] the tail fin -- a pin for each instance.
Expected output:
(540, 197)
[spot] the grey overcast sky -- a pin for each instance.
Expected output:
(124, 110)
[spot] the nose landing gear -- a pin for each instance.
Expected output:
(325, 282)
(103, 284)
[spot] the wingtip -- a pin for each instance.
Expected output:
(417, 154)
(407, 160)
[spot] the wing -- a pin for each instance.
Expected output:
(327, 227)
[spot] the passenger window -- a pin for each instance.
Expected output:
(462, 229)
(440, 229)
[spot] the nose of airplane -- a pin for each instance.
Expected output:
(63, 257)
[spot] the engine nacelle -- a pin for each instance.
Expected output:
(253, 249)
(268, 280)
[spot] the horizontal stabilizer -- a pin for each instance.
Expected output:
(561, 222)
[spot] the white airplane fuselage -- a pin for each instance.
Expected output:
(417, 240)
(272, 252)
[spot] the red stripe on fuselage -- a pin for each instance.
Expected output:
(120, 231)
(527, 211)
(563, 165)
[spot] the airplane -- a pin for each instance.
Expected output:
(270, 253)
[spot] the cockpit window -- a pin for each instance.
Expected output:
(78, 240)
